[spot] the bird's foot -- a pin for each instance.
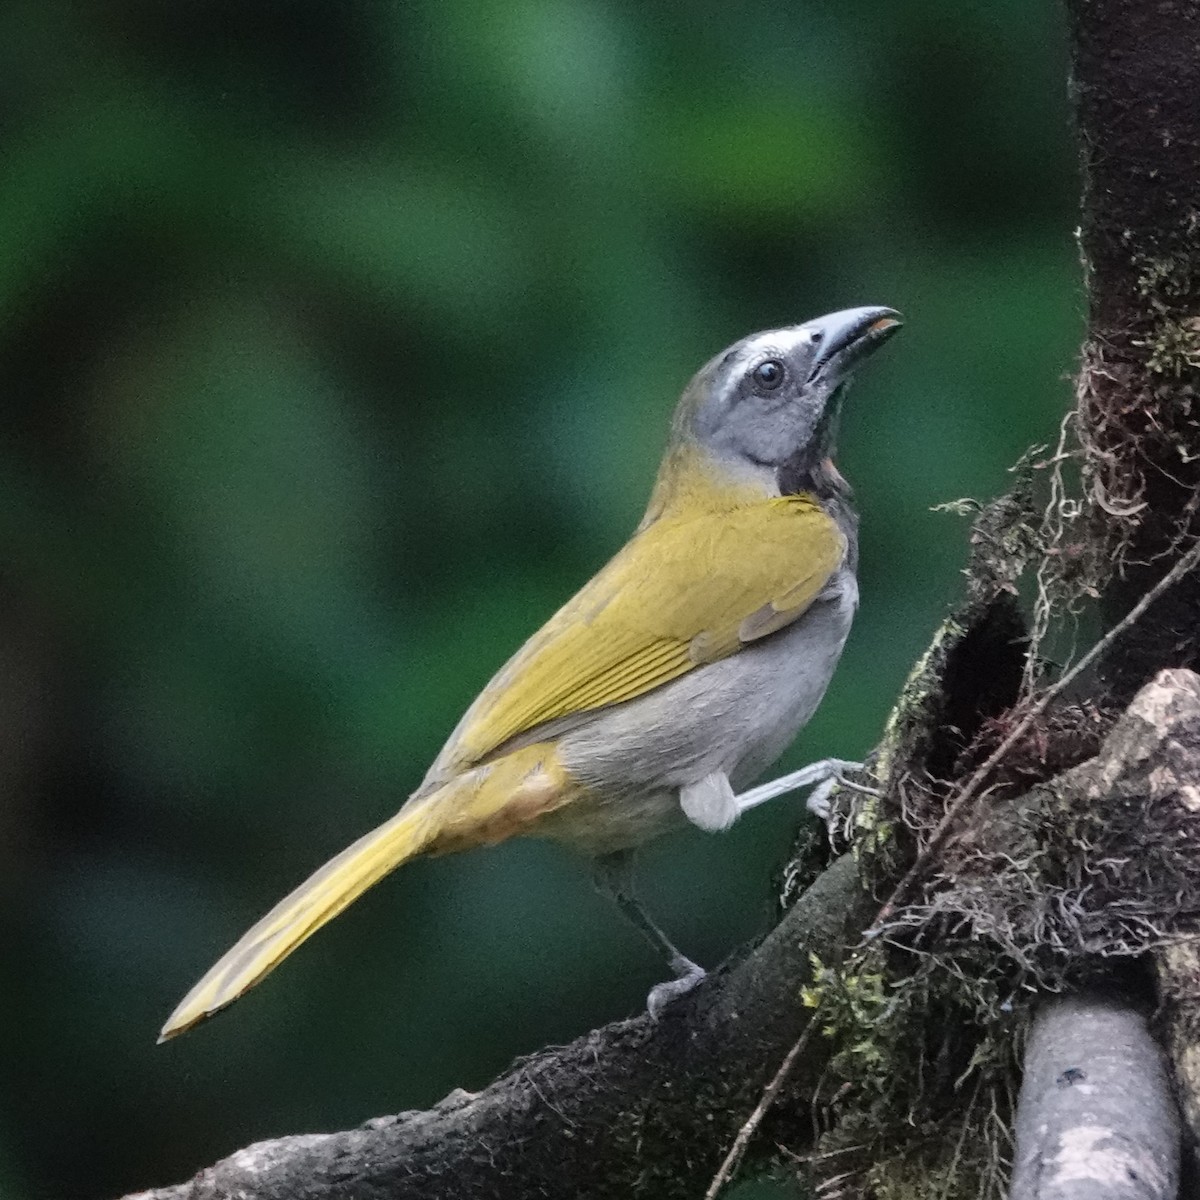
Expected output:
(819, 801)
(687, 975)
(823, 777)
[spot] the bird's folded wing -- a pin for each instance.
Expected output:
(684, 592)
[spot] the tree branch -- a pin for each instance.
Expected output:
(1096, 1119)
(635, 1104)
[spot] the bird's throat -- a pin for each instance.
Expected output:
(811, 467)
(820, 477)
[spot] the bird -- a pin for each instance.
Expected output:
(673, 678)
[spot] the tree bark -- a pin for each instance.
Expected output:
(1136, 83)
(1097, 1119)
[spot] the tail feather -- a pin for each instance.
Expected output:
(301, 913)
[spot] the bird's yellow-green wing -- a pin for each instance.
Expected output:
(686, 590)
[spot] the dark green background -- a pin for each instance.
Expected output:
(337, 343)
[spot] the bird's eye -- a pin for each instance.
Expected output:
(768, 375)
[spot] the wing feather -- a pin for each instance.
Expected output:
(685, 591)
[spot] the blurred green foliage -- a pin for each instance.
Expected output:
(337, 343)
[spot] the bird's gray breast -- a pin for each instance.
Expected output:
(734, 716)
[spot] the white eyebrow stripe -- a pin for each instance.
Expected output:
(779, 341)
(768, 344)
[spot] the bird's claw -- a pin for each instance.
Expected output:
(688, 975)
(819, 801)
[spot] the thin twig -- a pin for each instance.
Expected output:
(755, 1119)
(971, 788)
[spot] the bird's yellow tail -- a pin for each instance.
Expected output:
(299, 915)
(482, 806)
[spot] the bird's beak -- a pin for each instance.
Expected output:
(846, 337)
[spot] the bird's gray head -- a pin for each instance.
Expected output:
(772, 399)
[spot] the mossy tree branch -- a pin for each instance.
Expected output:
(634, 1106)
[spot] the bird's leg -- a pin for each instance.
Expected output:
(821, 776)
(614, 879)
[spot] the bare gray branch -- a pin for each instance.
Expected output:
(1096, 1119)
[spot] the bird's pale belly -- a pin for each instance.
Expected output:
(735, 716)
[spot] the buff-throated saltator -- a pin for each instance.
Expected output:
(673, 678)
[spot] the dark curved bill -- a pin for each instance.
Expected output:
(850, 335)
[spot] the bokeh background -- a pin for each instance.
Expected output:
(337, 343)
